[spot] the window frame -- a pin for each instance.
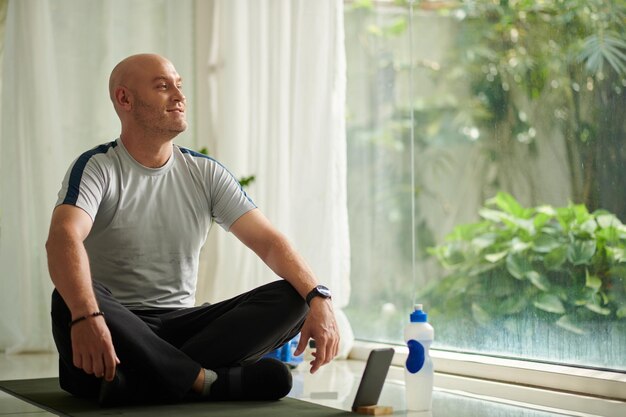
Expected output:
(577, 390)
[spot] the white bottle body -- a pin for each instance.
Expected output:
(419, 385)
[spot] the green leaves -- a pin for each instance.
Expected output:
(565, 262)
(592, 281)
(518, 265)
(580, 252)
(395, 29)
(538, 280)
(555, 259)
(550, 303)
(601, 48)
(507, 204)
(545, 243)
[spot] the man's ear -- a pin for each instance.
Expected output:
(123, 98)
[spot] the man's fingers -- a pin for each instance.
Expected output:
(320, 359)
(325, 351)
(335, 348)
(110, 362)
(326, 348)
(98, 366)
(77, 360)
(319, 354)
(301, 346)
(321, 326)
(330, 352)
(315, 365)
(87, 364)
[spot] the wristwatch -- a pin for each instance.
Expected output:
(319, 291)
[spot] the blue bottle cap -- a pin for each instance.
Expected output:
(419, 316)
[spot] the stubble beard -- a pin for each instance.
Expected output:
(153, 119)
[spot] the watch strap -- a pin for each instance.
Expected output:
(318, 291)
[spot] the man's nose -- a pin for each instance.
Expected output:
(178, 95)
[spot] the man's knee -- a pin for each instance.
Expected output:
(290, 300)
(57, 300)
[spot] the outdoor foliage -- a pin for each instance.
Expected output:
(560, 63)
(495, 97)
(516, 261)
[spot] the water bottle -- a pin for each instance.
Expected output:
(418, 372)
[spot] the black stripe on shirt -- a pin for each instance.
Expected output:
(73, 186)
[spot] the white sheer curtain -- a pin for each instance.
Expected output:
(266, 95)
(55, 105)
(278, 78)
(24, 180)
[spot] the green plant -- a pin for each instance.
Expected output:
(561, 62)
(564, 263)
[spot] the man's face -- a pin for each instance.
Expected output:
(158, 101)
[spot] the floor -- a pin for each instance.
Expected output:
(24, 367)
(333, 385)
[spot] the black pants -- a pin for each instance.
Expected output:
(163, 350)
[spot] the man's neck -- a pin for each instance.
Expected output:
(151, 152)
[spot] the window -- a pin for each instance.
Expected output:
(486, 179)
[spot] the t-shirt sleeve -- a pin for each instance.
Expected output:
(228, 199)
(83, 185)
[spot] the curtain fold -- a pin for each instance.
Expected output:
(279, 75)
(30, 127)
(278, 72)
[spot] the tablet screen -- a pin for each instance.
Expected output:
(373, 378)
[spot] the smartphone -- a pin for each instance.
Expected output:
(373, 378)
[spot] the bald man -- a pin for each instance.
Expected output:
(123, 248)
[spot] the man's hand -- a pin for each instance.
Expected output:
(256, 232)
(68, 262)
(92, 348)
(321, 326)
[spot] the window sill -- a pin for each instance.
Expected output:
(542, 386)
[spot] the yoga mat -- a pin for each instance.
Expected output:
(47, 394)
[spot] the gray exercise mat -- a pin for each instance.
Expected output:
(46, 393)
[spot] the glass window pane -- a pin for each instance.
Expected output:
(514, 111)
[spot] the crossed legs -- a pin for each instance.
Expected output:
(164, 350)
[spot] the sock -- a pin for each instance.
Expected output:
(265, 380)
(209, 378)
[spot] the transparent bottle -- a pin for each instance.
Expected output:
(418, 371)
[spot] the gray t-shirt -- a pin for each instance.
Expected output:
(150, 224)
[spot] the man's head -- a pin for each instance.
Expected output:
(146, 93)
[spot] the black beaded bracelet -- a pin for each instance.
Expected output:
(96, 314)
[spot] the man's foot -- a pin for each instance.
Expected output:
(266, 380)
(116, 392)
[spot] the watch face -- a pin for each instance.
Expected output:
(319, 291)
(325, 292)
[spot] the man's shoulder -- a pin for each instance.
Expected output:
(207, 166)
(190, 153)
(96, 155)
(102, 149)
(199, 158)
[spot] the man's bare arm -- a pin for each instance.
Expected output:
(256, 232)
(68, 264)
